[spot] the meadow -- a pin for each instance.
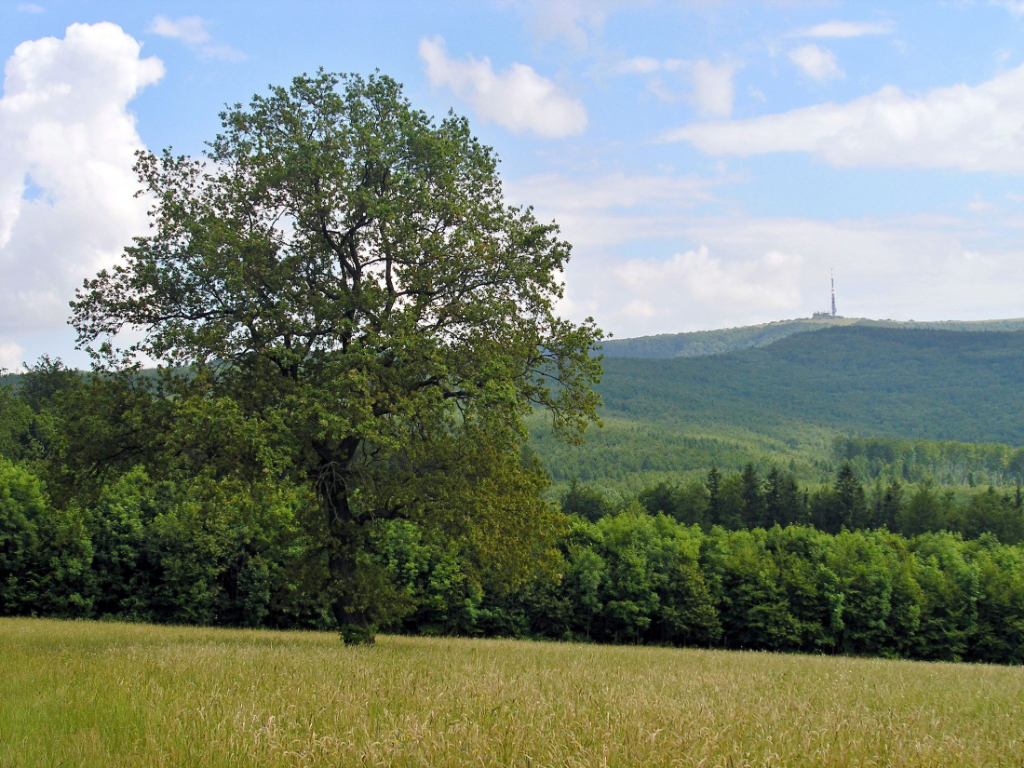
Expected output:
(113, 695)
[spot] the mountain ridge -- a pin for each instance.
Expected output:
(722, 340)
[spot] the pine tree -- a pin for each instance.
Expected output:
(754, 512)
(713, 484)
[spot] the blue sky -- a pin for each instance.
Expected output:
(710, 160)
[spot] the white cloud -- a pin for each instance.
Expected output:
(653, 289)
(752, 270)
(972, 128)
(663, 254)
(713, 88)
(924, 268)
(67, 144)
(641, 65)
(844, 29)
(11, 356)
(192, 31)
(572, 21)
(600, 212)
(518, 98)
(30, 8)
(1016, 7)
(817, 63)
(712, 91)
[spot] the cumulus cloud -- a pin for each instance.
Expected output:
(645, 65)
(817, 63)
(978, 205)
(844, 29)
(971, 128)
(921, 268)
(606, 211)
(192, 32)
(11, 356)
(67, 144)
(663, 254)
(518, 98)
(571, 21)
(1016, 7)
(751, 270)
(705, 283)
(712, 91)
(658, 287)
(713, 88)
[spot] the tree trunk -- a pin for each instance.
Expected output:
(343, 533)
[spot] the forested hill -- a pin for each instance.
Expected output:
(787, 402)
(699, 343)
(939, 385)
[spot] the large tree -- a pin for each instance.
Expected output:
(346, 271)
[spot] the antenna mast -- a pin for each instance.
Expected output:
(833, 275)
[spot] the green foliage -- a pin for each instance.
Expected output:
(940, 385)
(66, 581)
(754, 611)
(438, 590)
(949, 604)
(22, 509)
(990, 512)
(917, 461)
(342, 281)
(229, 552)
(898, 403)
(1000, 603)
(585, 501)
(15, 421)
(689, 503)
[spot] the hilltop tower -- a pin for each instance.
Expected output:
(826, 313)
(833, 276)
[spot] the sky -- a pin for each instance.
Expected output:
(711, 161)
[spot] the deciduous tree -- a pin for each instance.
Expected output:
(347, 271)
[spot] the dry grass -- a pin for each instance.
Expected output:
(88, 694)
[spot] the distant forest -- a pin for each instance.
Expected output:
(954, 394)
(936, 385)
(747, 499)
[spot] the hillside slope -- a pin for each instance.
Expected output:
(786, 402)
(940, 385)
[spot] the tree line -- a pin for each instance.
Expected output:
(193, 525)
(241, 553)
(941, 461)
(743, 500)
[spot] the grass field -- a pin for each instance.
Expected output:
(110, 695)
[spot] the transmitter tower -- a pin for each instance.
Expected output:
(826, 313)
(833, 276)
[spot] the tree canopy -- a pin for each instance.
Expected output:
(345, 272)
